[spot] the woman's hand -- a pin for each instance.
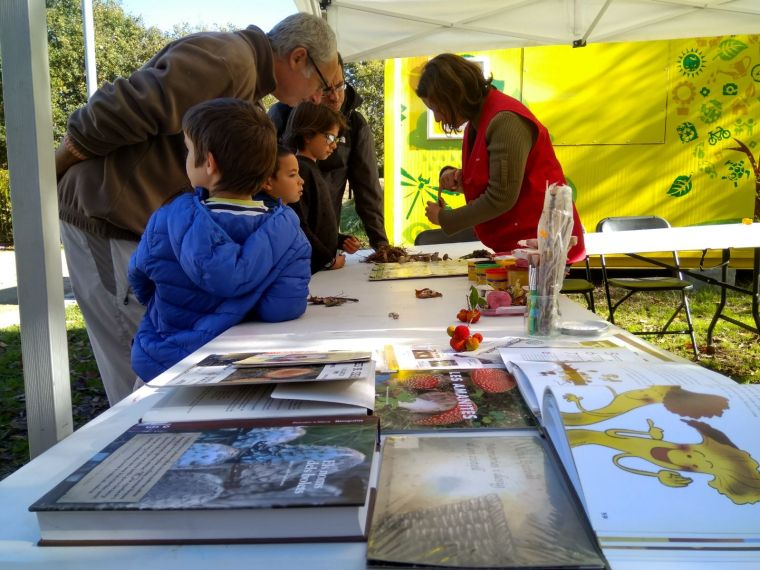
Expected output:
(432, 210)
(451, 179)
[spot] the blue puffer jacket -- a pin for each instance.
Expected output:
(200, 272)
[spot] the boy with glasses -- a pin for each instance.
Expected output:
(314, 131)
(354, 160)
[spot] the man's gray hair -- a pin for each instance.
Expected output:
(304, 30)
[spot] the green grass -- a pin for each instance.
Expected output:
(734, 351)
(88, 397)
(735, 355)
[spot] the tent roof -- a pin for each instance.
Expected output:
(381, 29)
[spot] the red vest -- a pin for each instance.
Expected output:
(520, 222)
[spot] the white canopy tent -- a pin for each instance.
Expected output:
(382, 29)
(366, 29)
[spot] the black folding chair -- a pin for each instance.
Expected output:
(431, 237)
(585, 287)
(633, 285)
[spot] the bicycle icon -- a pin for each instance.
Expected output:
(717, 135)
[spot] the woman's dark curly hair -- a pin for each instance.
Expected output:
(456, 87)
(309, 119)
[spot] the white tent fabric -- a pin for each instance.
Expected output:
(381, 29)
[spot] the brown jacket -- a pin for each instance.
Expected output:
(132, 128)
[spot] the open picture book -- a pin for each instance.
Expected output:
(662, 466)
(533, 377)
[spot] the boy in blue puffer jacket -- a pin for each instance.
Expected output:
(210, 259)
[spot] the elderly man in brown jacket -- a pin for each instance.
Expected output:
(123, 157)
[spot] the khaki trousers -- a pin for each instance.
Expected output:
(98, 273)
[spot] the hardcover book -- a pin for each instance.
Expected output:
(304, 479)
(485, 500)
(670, 467)
(413, 400)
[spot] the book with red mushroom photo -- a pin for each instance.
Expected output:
(462, 399)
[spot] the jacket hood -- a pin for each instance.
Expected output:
(213, 260)
(352, 101)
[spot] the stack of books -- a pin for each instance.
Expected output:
(246, 447)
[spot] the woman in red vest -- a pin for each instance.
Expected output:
(507, 157)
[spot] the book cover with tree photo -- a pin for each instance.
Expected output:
(480, 500)
(190, 481)
(414, 400)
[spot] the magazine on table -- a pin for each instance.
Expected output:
(490, 349)
(292, 358)
(221, 370)
(429, 356)
(197, 403)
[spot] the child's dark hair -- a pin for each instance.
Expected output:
(241, 138)
(309, 119)
(282, 151)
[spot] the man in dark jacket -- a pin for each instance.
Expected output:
(354, 161)
(123, 157)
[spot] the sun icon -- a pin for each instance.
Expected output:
(691, 62)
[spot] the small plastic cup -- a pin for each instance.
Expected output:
(480, 271)
(542, 315)
(498, 278)
(471, 274)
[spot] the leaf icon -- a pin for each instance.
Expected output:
(730, 48)
(680, 187)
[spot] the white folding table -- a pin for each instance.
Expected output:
(362, 325)
(724, 237)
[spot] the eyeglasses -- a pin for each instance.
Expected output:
(331, 138)
(334, 89)
(325, 84)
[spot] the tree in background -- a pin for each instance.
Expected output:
(122, 44)
(367, 78)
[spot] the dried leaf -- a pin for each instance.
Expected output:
(331, 301)
(426, 293)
